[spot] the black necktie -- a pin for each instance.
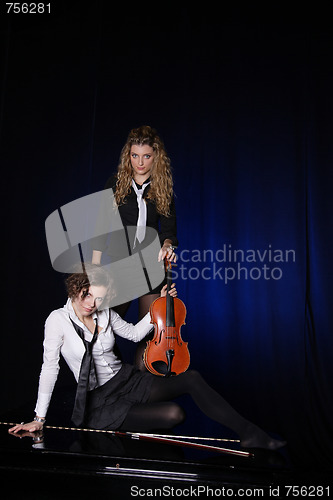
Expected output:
(87, 376)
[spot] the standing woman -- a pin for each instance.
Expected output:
(143, 191)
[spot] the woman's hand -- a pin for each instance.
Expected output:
(168, 252)
(172, 292)
(29, 427)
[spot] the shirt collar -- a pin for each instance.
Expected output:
(140, 186)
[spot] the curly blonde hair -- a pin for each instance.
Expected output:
(161, 182)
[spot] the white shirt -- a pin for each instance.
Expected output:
(61, 338)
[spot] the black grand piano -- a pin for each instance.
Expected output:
(65, 462)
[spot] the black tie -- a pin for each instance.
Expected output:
(87, 376)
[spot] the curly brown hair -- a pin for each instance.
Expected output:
(90, 275)
(161, 182)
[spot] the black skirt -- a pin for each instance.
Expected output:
(108, 405)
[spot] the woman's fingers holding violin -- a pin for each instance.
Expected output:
(167, 252)
(161, 255)
(171, 256)
(172, 291)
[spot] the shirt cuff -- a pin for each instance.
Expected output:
(144, 326)
(42, 404)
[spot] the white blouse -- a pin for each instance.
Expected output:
(61, 337)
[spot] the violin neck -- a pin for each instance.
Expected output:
(170, 311)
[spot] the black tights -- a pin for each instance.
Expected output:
(161, 413)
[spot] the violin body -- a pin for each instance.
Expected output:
(167, 354)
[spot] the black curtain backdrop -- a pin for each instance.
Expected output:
(243, 101)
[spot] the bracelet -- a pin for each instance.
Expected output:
(39, 419)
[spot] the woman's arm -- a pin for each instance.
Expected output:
(104, 221)
(168, 234)
(142, 328)
(53, 341)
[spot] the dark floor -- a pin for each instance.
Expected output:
(79, 464)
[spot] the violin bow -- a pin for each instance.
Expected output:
(198, 438)
(159, 438)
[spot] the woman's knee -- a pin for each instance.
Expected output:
(193, 377)
(175, 415)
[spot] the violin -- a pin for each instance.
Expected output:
(167, 354)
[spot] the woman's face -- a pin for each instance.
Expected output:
(87, 304)
(142, 159)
